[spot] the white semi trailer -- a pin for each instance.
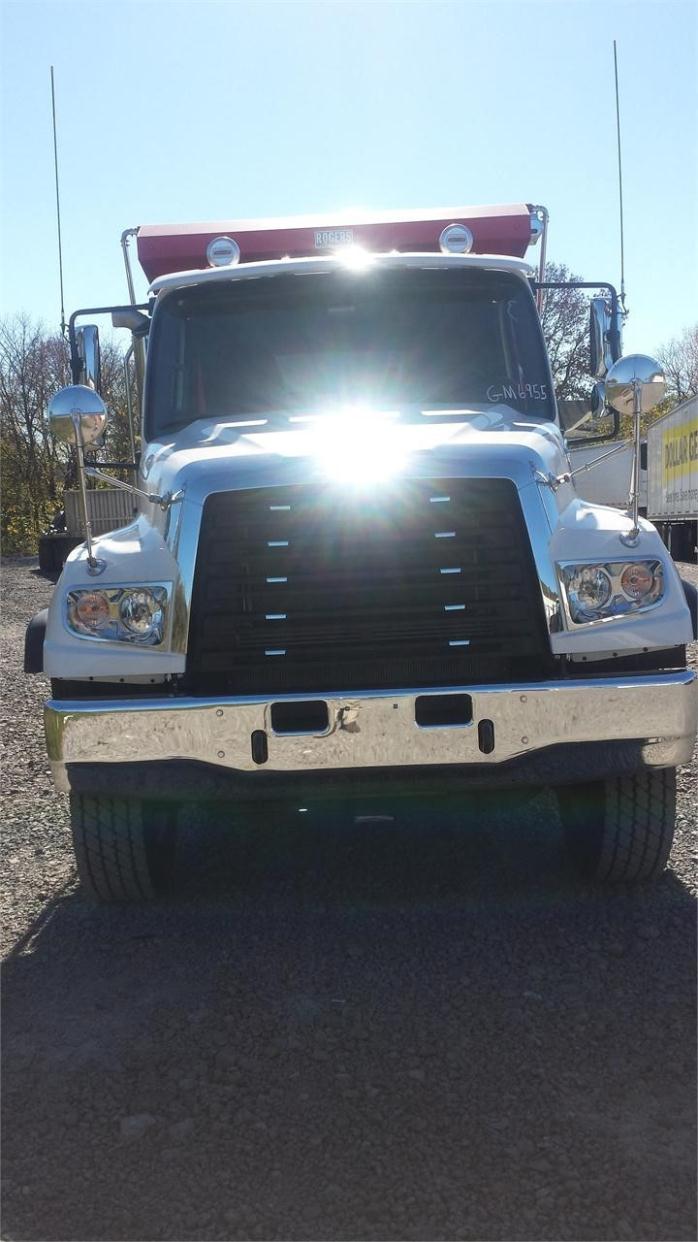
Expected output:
(672, 465)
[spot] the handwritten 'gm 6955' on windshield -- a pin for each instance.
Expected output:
(517, 392)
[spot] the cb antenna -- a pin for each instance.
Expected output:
(58, 201)
(620, 183)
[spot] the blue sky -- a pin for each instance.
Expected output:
(188, 111)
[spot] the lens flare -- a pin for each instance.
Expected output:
(359, 447)
(355, 258)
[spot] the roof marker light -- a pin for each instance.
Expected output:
(222, 252)
(456, 239)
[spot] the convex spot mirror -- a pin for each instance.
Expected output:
(78, 415)
(604, 337)
(635, 377)
(88, 356)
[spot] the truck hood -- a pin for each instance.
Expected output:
(361, 449)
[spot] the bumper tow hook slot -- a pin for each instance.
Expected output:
(485, 736)
(260, 746)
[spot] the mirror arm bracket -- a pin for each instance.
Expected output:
(153, 498)
(553, 481)
(590, 465)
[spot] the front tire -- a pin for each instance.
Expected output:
(621, 830)
(124, 847)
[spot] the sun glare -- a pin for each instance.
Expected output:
(355, 258)
(359, 447)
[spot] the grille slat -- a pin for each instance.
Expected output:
(361, 594)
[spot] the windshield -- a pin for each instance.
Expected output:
(407, 338)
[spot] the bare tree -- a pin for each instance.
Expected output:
(32, 367)
(565, 320)
(36, 467)
(679, 358)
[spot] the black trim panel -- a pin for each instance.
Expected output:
(691, 594)
(34, 643)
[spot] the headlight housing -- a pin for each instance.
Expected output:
(600, 591)
(131, 614)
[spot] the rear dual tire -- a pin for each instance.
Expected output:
(621, 830)
(124, 847)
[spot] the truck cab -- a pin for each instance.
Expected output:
(359, 560)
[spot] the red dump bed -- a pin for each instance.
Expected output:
(165, 248)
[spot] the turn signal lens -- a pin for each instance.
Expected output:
(637, 580)
(92, 610)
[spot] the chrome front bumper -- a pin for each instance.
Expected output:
(374, 730)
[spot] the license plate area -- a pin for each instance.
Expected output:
(307, 716)
(443, 711)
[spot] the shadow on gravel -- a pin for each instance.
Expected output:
(403, 1031)
(46, 575)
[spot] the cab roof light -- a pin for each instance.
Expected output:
(456, 239)
(222, 252)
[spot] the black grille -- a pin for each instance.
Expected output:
(307, 589)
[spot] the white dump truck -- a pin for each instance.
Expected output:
(360, 563)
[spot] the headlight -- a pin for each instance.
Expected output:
(589, 588)
(135, 614)
(599, 592)
(140, 612)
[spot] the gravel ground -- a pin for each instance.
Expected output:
(327, 1033)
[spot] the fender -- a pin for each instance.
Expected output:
(34, 643)
(691, 593)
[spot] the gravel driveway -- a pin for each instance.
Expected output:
(425, 1030)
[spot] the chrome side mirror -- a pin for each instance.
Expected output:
(77, 415)
(635, 384)
(604, 337)
(89, 357)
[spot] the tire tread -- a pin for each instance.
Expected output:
(631, 828)
(109, 837)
